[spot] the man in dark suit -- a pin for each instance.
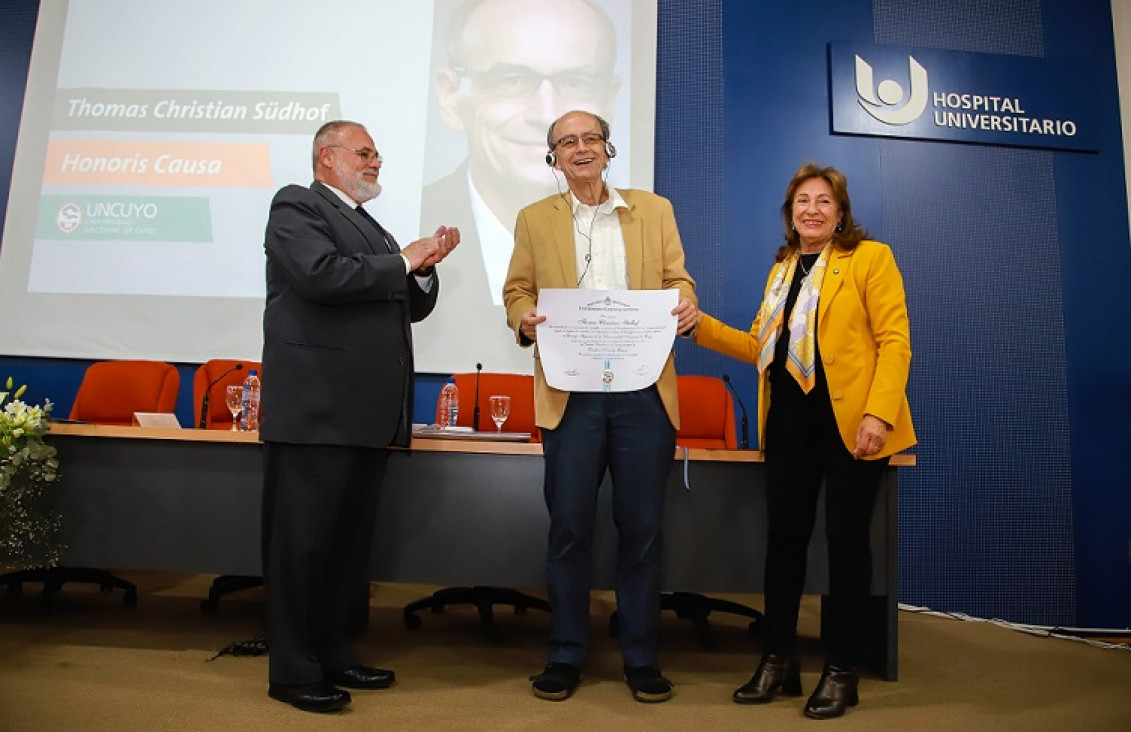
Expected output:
(337, 354)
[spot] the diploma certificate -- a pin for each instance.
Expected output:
(605, 340)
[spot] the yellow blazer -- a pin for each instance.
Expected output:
(544, 256)
(864, 341)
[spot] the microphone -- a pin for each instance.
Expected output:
(204, 402)
(475, 414)
(745, 443)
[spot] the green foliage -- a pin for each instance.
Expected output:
(29, 525)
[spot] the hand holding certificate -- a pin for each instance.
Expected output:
(605, 340)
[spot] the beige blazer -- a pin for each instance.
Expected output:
(544, 256)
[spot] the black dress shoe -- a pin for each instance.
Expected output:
(835, 691)
(777, 673)
(647, 684)
(364, 677)
(320, 697)
(556, 682)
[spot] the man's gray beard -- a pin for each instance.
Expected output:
(367, 191)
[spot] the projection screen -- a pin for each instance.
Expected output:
(154, 135)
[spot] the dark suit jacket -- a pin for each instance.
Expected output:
(337, 336)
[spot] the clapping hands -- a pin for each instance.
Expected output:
(423, 254)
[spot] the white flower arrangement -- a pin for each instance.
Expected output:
(29, 527)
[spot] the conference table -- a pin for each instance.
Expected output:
(451, 512)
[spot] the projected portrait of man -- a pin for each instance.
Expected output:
(512, 67)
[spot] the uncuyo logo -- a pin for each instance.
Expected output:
(69, 218)
(881, 102)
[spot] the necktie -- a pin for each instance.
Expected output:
(365, 215)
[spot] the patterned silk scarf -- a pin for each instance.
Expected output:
(802, 321)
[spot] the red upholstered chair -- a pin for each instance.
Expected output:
(706, 413)
(520, 388)
(224, 372)
(111, 391)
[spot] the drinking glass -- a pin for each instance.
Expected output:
(500, 410)
(233, 397)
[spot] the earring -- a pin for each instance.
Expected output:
(839, 227)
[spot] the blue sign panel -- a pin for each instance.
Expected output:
(930, 94)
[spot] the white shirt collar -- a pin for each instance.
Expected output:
(606, 207)
(345, 199)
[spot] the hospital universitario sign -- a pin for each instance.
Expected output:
(930, 94)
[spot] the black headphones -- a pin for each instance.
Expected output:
(610, 152)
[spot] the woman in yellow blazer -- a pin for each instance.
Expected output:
(832, 345)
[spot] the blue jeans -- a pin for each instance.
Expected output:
(630, 434)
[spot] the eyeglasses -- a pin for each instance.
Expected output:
(520, 82)
(364, 153)
(569, 142)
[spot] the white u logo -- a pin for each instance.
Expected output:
(889, 93)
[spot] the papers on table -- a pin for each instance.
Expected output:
(466, 433)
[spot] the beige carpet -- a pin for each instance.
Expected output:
(95, 664)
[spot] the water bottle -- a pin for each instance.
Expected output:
(447, 408)
(249, 418)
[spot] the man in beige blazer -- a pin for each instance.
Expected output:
(595, 237)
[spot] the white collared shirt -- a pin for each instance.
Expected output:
(496, 242)
(598, 243)
(345, 199)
